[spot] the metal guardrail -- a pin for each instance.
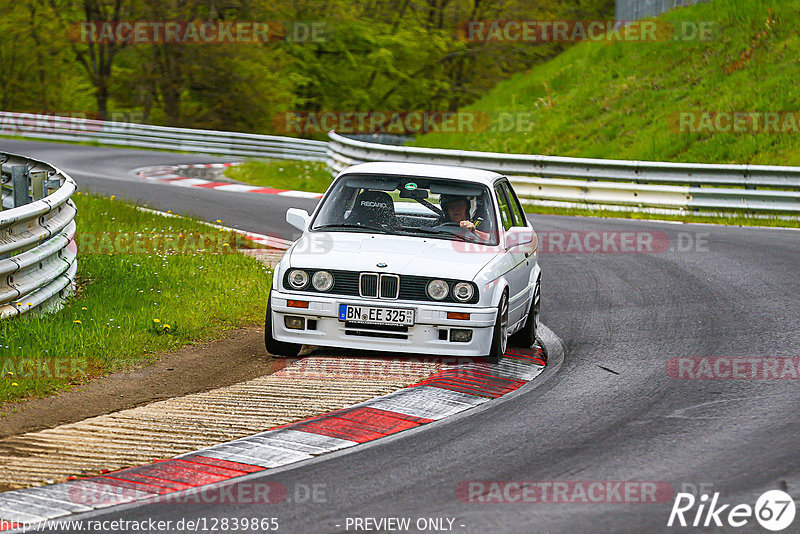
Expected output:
(160, 137)
(552, 180)
(37, 247)
(599, 182)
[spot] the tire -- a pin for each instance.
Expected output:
(526, 337)
(500, 335)
(273, 346)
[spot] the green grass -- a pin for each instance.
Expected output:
(620, 100)
(283, 174)
(200, 291)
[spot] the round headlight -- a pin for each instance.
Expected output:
(298, 279)
(437, 289)
(322, 280)
(463, 291)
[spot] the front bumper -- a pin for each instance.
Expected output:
(425, 337)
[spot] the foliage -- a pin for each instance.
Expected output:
(372, 55)
(622, 100)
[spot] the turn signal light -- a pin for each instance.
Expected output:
(458, 315)
(297, 304)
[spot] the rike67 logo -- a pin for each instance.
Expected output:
(774, 510)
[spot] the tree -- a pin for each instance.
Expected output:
(37, 68)
(96, 58)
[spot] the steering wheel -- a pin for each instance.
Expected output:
(456, 229)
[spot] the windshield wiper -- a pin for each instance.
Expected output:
(425, 230)
(350, 226)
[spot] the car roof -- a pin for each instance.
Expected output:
(468, 174)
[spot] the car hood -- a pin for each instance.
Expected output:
(401, 254)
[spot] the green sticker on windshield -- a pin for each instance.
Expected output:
(411, 186)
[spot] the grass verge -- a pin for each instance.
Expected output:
(146, 284)
(625, 99)
(311, 176)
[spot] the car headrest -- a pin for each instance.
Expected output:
(375, 207)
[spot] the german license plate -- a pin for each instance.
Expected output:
(376, 315)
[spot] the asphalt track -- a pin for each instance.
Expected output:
(610, 412)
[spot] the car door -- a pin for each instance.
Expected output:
(512, 216)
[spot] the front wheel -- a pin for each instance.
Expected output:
(275, 347)
(526, 337)
(500, 336)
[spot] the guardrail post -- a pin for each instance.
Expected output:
(51, 184)
(38, 190)
(21, 185)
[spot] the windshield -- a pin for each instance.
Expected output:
(400, 205)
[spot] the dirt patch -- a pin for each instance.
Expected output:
(239, 357)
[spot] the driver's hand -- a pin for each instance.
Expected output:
(469, 225)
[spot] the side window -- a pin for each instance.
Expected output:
(505, 212)
(516, 209)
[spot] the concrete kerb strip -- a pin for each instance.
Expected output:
(554, 349)
(441, 397)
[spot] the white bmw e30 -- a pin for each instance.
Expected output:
(414, 258)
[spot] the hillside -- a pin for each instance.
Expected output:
(624, 99)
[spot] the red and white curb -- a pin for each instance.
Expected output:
(454, 389)
(171, 175)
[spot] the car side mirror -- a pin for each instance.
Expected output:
(298, 218)
(518, 235)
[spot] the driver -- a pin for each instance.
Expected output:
(455, 211)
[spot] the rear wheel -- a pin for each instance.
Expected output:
(500, 337)
(527, 336)
(275, 347)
